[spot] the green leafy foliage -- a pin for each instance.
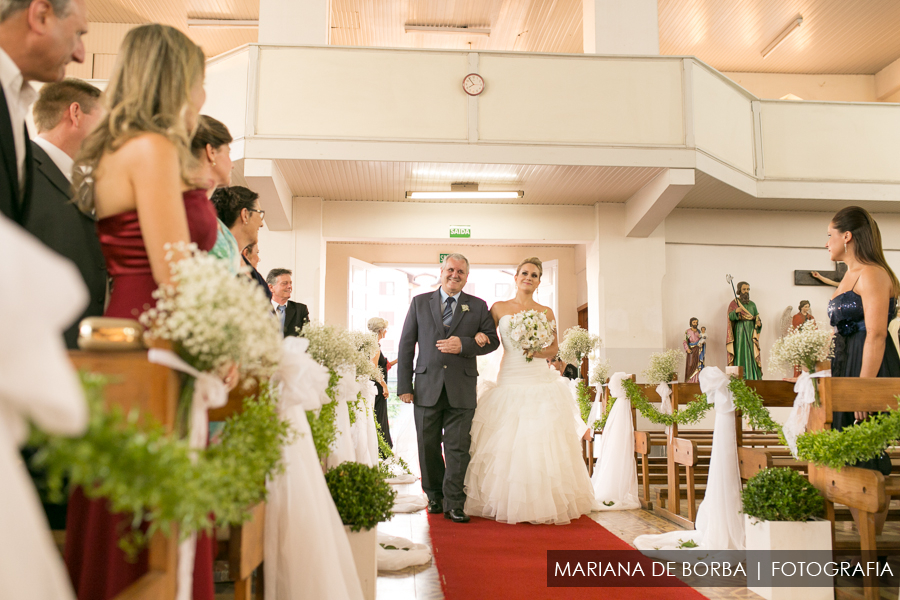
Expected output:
(584, 402)
(864, 441)
(602, 422)
(781, 494)
(321, 421)
(361, 495)
(145, 471)
(751, 406)
(687, 544)
(390, 463)
(690, 414)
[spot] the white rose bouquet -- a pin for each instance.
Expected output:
(531, 331)
(801, 347)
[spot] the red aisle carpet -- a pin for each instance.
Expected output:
(484, 559)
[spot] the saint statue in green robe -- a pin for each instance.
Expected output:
(742, 337)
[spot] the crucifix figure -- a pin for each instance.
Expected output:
(832, 278)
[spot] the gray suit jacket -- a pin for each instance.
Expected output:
(434, 369)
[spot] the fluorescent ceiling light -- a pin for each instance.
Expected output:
(439, 29)
(783, 36)
(464, 195)
(223, 24)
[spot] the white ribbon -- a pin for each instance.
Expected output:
(302, 380)
(799, 417)
(665, 393)
(616, 389)
(209, 392)
(714, 383)
(596, 407)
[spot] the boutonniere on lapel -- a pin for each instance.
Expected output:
(464, 307)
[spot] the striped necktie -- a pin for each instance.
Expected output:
(448, 313)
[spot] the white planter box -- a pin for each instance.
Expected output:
(363, 545)
(789, 535)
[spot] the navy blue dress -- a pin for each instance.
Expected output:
(849, 322)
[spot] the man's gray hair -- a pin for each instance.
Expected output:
(10, 7)
(274, 274)
(455, 256)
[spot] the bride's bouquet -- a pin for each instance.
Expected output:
(531, 331)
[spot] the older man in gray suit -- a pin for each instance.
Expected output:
(451, 328)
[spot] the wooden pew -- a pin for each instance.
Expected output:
(862, 489)
(153, 390)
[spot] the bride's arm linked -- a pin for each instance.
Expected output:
(476, 346)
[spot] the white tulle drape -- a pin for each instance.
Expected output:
(343, 449)
(615, 475)
(38, 384)
(362, 432)
(796, 422)
(307, 553)
(720, 524)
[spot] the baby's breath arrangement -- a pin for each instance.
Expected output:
(600, 371)
(576, 344)
(663, 366)
(214, 319)
(145, 471)
(801, 347)
(366, 344)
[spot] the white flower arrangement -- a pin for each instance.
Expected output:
(366, 344)
(576, 344)
(801, 347)
(214, 319)
(330, 346)
(531, 331)
(600, 372)
(663, 366)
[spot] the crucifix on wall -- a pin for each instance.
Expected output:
(806, 278)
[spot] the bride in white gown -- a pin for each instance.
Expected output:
(526, 463)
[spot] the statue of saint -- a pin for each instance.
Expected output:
(742, 337)
(695, 348)
(803, 315)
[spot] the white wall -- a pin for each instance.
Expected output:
(835, 88)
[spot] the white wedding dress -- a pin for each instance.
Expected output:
(526, 463)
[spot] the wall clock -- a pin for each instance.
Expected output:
(473, 84)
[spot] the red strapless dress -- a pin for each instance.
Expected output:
(98, 568)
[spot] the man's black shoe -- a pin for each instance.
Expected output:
(456, 515)
(435, 507)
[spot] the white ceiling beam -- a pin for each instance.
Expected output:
(887, 80)
(265, 178)
(651, 204)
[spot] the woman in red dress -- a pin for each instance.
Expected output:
(133, 171)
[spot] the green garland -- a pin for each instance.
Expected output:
(321, 422)
(145, 471)
(583, 397)
(602, 422)
(751, 406)
(388, 456)
(690, 414)
(864, 441)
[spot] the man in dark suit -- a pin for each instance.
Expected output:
(451, 329)
(38, 38)
(250, 255)
(293, 315)
(65, 113)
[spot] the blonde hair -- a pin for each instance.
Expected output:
(377, 324)
(149, 92)
(534, 260)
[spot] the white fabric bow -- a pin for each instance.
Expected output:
(714, 383)
(799, 417)
(665, 393)
(209, 392)
(302, 380)
(616, 389)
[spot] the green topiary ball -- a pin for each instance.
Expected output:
(781, 494)
(362, 497)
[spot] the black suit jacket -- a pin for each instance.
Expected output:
(52, 218)
(258, 278)
(10, 204)
(296, 315)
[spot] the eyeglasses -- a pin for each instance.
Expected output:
(262, 213)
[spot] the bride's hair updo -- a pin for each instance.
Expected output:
(534, 260)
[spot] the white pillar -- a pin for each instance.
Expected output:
(625, 295)
(305, 22)
(620, 27)
(309, 256)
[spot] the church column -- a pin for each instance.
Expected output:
(625, 292)
(621, 27)
(304, 22)
(309, 256)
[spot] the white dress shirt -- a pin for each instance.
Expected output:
(19, 98)
(63, 161)
(282, 314)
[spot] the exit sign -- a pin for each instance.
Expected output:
(443, 255)
(460, 231)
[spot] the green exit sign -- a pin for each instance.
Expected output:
(460, 231)
(443, 255)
